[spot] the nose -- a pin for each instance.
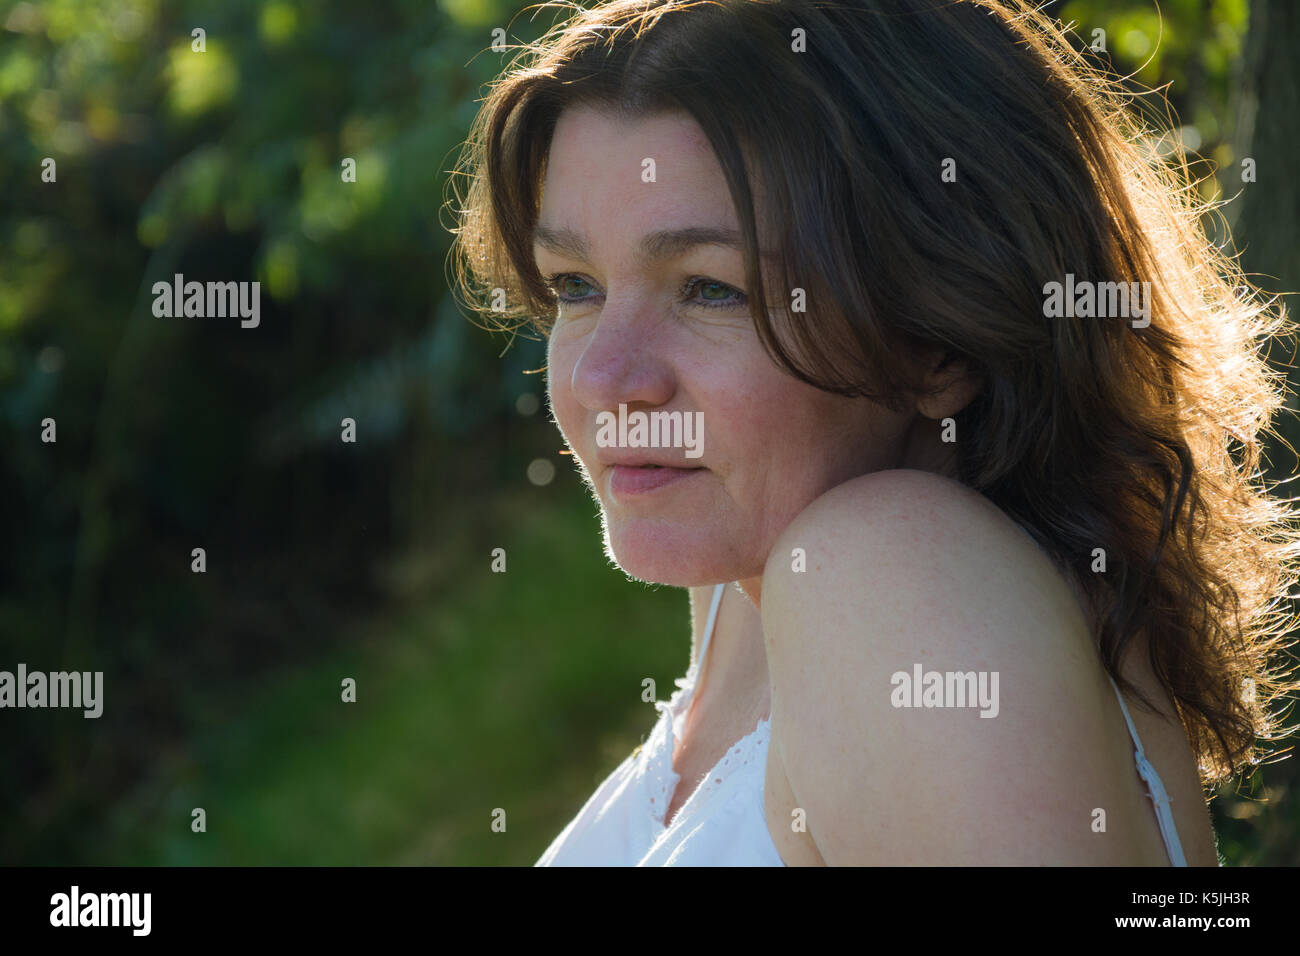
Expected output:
(623, 362)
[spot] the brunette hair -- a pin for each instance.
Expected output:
(1092, 433)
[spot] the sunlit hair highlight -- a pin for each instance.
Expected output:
(1144, 442)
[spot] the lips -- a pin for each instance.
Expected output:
(627, 480)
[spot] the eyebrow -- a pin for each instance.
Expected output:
(661, 246)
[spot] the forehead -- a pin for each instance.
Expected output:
(659, 167)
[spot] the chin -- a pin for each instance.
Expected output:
(658, 552)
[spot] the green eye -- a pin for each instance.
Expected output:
(563, 286)
(726, 296)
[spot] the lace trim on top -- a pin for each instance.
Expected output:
(663, 781)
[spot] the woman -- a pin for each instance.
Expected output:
(988, 574)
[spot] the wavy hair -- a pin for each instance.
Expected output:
(1092, 433)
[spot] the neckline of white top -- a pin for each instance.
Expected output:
(676, 710)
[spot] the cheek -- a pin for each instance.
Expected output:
(560, 360)
(779, 415)
(807, 441)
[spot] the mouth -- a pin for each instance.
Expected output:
(631, 480)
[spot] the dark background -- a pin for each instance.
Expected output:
(370, 560)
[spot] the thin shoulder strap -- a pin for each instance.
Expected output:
(1156, 788)
(708, 631)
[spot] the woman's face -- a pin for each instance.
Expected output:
(672, 333)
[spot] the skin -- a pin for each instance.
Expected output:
(772, 444)
(863, 490)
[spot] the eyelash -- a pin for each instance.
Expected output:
(554, 280)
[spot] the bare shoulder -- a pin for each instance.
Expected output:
(920, 531)
(935, 695)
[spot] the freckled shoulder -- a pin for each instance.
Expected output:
(909, 573)
(898, 524)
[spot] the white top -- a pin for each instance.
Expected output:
(723, 823)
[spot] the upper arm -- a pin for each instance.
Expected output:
(905, 569)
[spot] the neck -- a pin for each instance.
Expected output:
(737, 656)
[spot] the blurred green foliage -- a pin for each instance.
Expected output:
(226, 164)
(324, 560)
